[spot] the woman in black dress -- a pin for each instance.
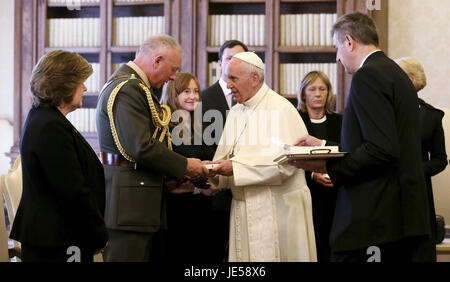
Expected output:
(189, 202)
(434, 157)
(315, 105)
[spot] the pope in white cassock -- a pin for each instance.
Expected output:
(271, 216)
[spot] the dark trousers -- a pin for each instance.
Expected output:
(189, 235)
(221, 225)
(221, 231)
(323, 205)
(31, 253)
(127, 246)
(409, 249)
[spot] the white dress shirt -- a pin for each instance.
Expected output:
(140, 72)
(363, 61)
(226, 91)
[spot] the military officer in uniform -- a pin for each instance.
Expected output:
(135, 151)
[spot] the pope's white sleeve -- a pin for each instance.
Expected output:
(221, 182)
(245, 175)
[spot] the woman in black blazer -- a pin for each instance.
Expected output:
(315, 105)
(434, 156)
(60, 215)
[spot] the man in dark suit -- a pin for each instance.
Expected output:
(135, 151)
(382, 207)
(218, 98)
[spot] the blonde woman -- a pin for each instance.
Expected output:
(434, 156)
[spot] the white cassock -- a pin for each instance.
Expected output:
(271, 215)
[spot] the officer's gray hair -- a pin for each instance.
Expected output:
(157, 43)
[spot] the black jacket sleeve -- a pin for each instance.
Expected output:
(438, 157)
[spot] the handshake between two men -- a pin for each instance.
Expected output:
(201, 169)
(197, 173)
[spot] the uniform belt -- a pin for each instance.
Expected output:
(116, 160)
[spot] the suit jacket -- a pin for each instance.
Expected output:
(382, 197)
(135, 199)
(213, 98)
(63, 196)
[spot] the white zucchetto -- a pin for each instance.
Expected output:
(251, 58)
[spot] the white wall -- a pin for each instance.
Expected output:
(6, 81)
(420, 29)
